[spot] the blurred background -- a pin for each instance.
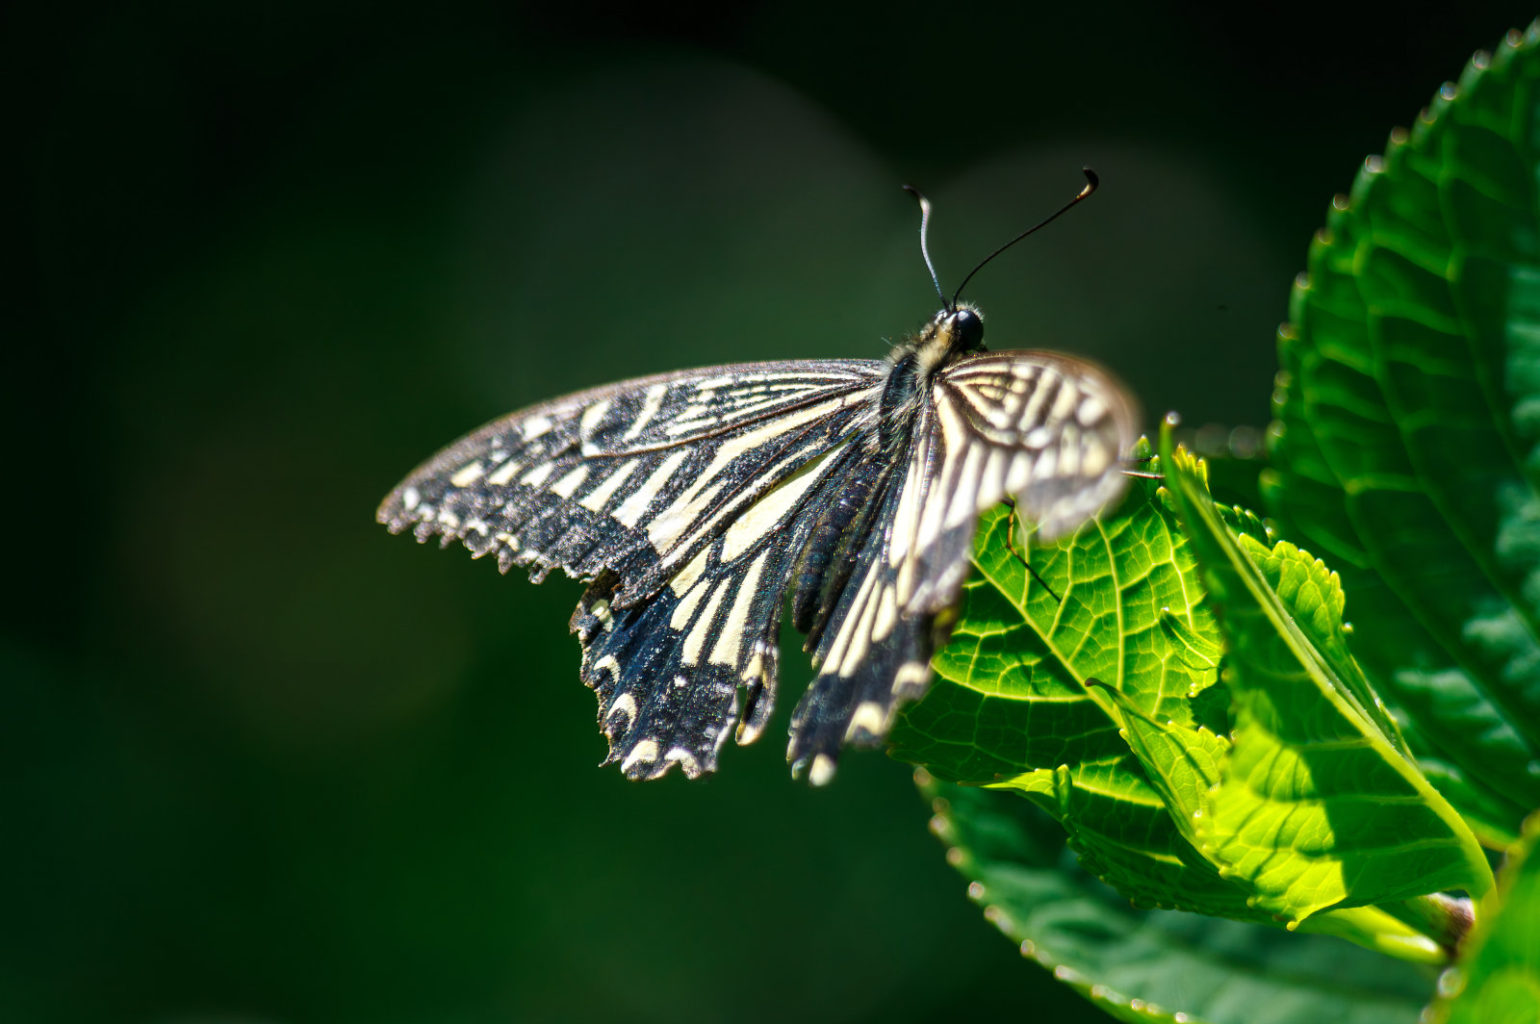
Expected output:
(263, 762)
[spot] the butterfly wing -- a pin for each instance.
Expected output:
(633, 477)
(693, 500)
(1058, 425)
(671, 494)
(1044, 428)
(668, 670)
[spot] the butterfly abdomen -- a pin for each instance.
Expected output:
(831, 552)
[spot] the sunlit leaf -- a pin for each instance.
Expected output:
(1041, 675)
(1318, 805)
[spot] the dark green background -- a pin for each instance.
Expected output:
(265, 763)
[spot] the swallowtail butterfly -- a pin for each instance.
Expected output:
(693, 503)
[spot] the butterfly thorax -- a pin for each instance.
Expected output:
(950, 335)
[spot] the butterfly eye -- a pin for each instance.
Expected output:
(970, 329)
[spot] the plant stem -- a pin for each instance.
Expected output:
(1373, 928)
(1444, 919)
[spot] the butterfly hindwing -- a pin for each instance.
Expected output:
(872, 653)
(1045, 428)
(669, 671)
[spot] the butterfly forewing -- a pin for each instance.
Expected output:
(625, 477)
(671, 493)
(668, 670)
(679, 409)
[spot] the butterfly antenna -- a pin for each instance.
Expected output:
(925, 242)
(1091, 181)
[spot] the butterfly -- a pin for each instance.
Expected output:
(694, 503)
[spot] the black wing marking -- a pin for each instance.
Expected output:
(1045, 428)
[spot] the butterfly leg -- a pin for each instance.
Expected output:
(1010, 545)
(1141, 474)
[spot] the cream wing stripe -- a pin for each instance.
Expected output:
(729, 645)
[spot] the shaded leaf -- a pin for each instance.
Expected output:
(1407, 424)
(1150, 965)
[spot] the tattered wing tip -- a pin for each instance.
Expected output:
(642, 763)
(395, 511)
(821, 772)
(817, 769)
(747, 732)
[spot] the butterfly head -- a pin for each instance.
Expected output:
(950, 334)
(963, 328)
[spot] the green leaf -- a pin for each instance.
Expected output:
(1406, 445)
(1034, 691)
(1150, 965)
(1317, 805)
(1497, 980)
